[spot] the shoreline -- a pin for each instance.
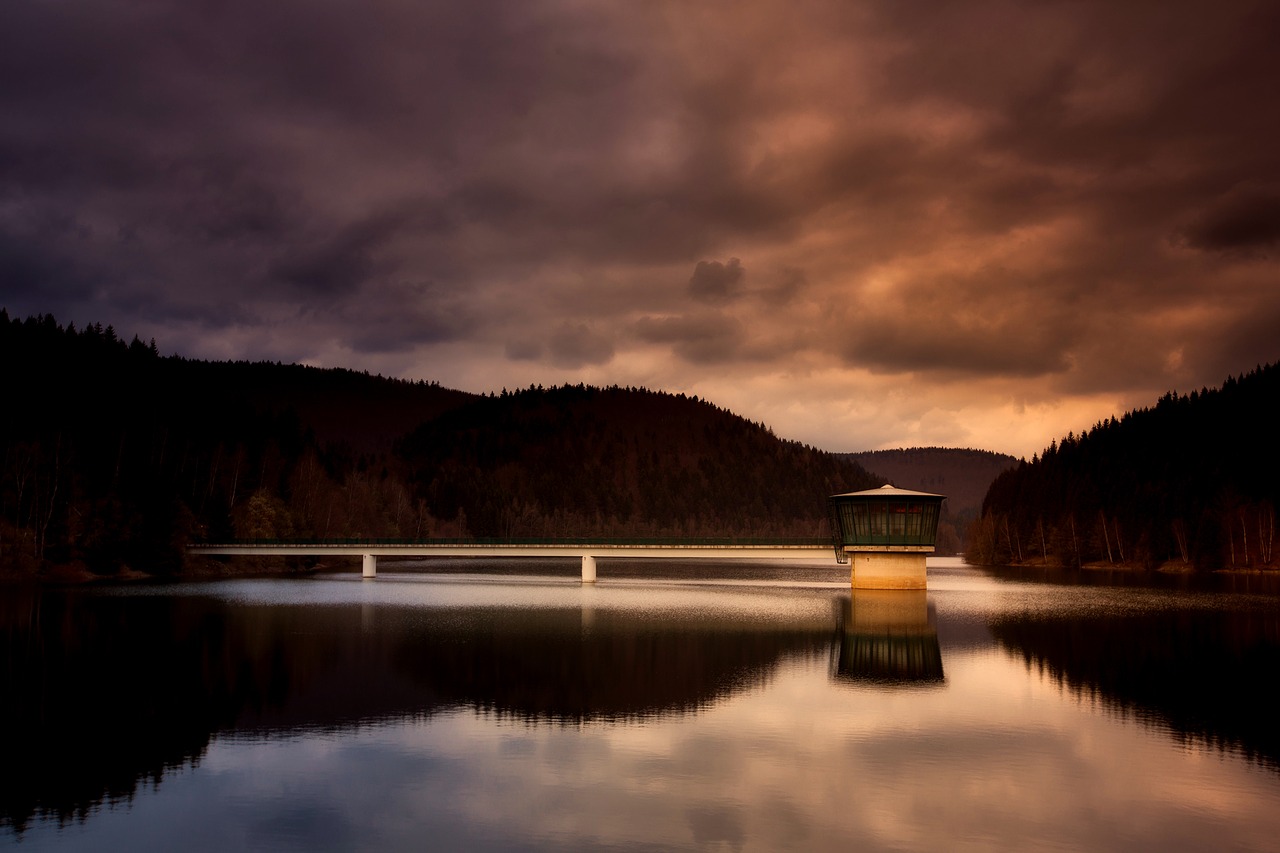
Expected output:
(1170, 567)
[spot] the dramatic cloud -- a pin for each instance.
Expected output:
(574, 345)
(701, 340)
(870, 224)
(1245, 218)
(713, 281)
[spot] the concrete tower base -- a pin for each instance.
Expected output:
(886, 570)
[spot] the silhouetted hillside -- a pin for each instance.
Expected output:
(369, 413)
(962, 475)
(114, 457)
(1193, 480)
(546, 462)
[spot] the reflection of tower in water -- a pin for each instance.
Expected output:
(888, 637)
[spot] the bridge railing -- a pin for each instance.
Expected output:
(527, 541)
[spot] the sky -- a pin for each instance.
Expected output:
(867, 224)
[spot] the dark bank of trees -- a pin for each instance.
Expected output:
(113, 457)
(578, 460)
(1192, 481)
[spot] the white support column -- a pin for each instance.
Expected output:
(370, 566)
(588, 569)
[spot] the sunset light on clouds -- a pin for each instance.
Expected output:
(867, 224)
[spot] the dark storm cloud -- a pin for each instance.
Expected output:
(224, 125)
(788, 285)
(702, 339)
(401, 316)
(524, 350)
(963, 326)
(30, 260)
(965, 350)
(713, 281)
(340, 262)
(1239, 342)
(574, 345)
(1246, 218)
(1081, 191)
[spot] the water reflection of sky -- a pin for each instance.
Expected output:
(1003, 756)
(998, 760)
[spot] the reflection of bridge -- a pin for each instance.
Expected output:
(588, 549)
(183, 670)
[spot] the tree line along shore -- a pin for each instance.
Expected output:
(1189, 484)
(115, 458)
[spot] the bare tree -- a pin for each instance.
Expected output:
(1266, 531)
(1106, 538)
(1180, 536)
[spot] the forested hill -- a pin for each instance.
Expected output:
(1192, 481)
(115, 457)
(594, 461)
(368, 413)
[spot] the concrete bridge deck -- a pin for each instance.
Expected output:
(588, 549)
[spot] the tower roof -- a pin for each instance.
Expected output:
(888, 490)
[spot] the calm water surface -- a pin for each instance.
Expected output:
(760, 707)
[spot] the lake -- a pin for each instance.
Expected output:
(673, 705)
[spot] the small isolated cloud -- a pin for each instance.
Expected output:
(1243, 219)
(713, 281)
(575, 345)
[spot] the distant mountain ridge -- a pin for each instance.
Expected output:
(962, 474)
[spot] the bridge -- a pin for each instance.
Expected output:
(588, 549)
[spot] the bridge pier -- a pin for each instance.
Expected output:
(588, 569)
(370, 566)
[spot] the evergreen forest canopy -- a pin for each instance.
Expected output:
(115, 457)
(1191, 482)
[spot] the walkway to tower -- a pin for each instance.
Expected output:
(588, 549)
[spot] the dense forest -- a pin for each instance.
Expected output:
(599, 461)
(963, 475)
(115, 458)
(1190, 482)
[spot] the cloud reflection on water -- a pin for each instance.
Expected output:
(392, 715)
(996, 760)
